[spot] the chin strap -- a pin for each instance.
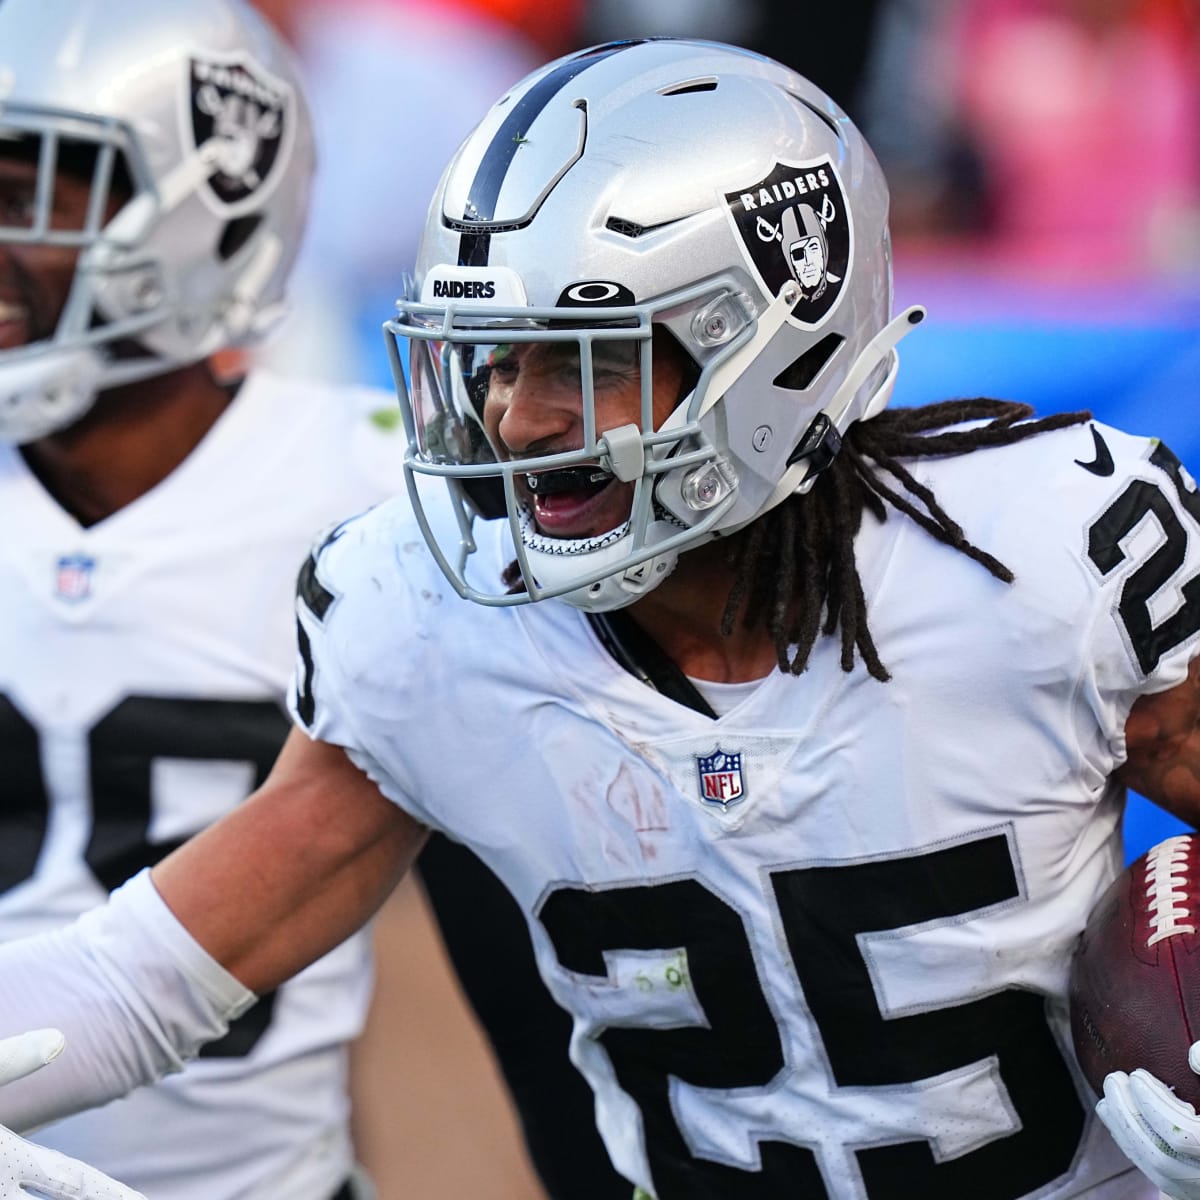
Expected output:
(646, 660)
(822, 440)
(879, 348)
(245, 316)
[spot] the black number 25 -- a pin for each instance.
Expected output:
(122, 747)
(1141, 499)
(822, 911)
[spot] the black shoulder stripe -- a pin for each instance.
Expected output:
(315, 596)
(313, 593)
(306, 701)
(489, 179)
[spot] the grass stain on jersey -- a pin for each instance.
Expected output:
(386, 419)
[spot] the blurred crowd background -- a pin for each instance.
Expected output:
(1044, 158)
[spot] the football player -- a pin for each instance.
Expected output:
(155, 161)
(798, 727)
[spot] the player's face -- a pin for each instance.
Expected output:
(808, 261)
(534, 407)
(35, 280)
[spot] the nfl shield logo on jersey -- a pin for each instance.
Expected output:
(73, 577)
(720, 778)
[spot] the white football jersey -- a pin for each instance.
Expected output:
(819, 946)
(143, 667)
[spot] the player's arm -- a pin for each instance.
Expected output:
(1162, 739)
(291, 873)
(139, 984)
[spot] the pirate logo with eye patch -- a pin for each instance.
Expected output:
(795, 225)
(241, 117)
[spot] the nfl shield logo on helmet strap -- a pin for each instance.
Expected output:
(245, 113)
(795, 226)
(73, 577)
(721, 779)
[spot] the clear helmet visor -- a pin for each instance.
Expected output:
(591, 381)
(448, 389)
(562, 428)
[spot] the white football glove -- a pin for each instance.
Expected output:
(27, 1170)
(1157, 1131)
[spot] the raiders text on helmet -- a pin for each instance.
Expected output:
(193, 106)
(624, 191)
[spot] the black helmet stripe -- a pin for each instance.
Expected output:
(485, 187)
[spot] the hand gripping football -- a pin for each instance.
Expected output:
(1135, 977)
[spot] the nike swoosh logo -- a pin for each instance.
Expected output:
(1103, 463)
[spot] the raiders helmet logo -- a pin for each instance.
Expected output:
(795, 225)
(246, 115)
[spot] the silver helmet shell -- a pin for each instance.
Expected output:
(682, 185)
(198, 104)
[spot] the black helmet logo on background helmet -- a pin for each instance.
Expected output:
(794, 225)
(247, 113)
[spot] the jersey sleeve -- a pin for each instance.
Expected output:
(352, 684)
(1141, 547)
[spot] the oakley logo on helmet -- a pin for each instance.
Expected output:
(794, 225)
(246, 114)
(596, 291)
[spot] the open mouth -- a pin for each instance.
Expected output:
(577, 502)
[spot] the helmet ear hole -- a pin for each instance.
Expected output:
(799, 375)
(236, 234)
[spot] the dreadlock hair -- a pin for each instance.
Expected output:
(795, 569)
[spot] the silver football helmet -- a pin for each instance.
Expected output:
(627, 190)
(193, 108)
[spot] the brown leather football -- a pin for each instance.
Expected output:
(1135, 977)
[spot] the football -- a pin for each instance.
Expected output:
(1135, 976)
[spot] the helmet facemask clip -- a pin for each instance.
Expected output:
(819, 446)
